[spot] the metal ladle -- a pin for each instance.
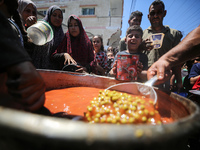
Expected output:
(137, 88)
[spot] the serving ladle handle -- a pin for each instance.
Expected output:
(147, 88)
(151, 81)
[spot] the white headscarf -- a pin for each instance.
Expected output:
(23, 4)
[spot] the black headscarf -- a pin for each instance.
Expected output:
(58, 31)
(41, 54)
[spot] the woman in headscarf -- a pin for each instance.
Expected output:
(54, 17)
(76, 48)
(28, 12)
(41, 54)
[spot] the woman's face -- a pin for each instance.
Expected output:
(56, 18)
(96, 43)
(28, 11)
(74, 28)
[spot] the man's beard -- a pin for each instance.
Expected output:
(157, 24)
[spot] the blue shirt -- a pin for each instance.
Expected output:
(195, 70)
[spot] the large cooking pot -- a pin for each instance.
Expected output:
(22, 130)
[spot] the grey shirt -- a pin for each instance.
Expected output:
(171, 39)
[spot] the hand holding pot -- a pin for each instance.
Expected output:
(68, 59)
(30, 21)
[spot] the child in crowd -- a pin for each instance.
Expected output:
(133, 40)
(186, 81)
(110, 49)
(134, 19)
(101, 57)
(76, 48)
(113, 50)
(111, 56)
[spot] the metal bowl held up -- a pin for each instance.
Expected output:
(22, 130)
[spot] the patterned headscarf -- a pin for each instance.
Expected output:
(80, 47)
(77, 43)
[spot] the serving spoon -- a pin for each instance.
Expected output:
(137, 88)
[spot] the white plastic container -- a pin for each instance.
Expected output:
(40, 33)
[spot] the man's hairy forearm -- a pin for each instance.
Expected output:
(185, 50)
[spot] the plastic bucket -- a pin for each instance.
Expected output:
(40, 33)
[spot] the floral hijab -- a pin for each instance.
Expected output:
(79, 42)
(80, 47)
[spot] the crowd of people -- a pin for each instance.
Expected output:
(88, 55)
(25, 88)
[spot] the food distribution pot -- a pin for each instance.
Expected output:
(22, 130)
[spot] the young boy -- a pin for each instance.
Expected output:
(134, 19)
(133, 40)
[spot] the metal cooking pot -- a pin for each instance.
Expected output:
(19, 129)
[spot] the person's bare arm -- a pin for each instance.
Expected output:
(194, 79)
(113, 71)
(184, 51)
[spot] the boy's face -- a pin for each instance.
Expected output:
(133, 40)
(136, 20)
